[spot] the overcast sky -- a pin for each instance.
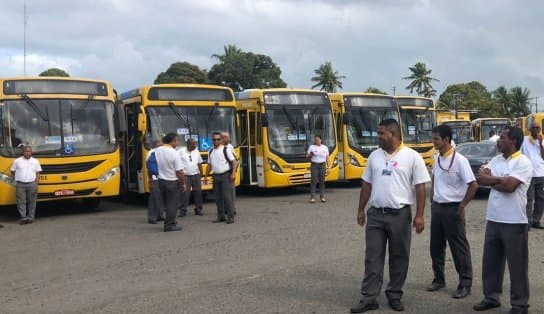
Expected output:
(371, 42)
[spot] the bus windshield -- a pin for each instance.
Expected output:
(362, 125)
(492, 127)
(291, 128)
(417, 125)
(57, 127)
(195, 122)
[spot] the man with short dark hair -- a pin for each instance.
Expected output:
(222, 162)
(193, 173)
(508, 175)
(171, 179)
(534, 150)
(394, 168)
(453, 187)
(26, 170)
(155, 209)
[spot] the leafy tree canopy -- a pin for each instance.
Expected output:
(243, 70)
(327, 78)
(182, 72)
(55, 72)
(472, 96)
(374, 90)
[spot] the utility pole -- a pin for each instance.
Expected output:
(394, 88)
(456, 99)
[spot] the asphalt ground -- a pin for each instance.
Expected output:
(283, 255)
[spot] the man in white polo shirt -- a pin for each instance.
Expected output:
(509, 176)
(190, 155)
(453, 187)
(26, 170)
(391, 172)
(534, 150)
(222, 162)
(171, 179)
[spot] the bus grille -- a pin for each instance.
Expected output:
(299, 179)
(77, 193)
(422, 149)
(70, 168)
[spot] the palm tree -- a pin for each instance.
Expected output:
(230, 52)
(520, 101)
(503, 98)
(327, 78)
(421, 81)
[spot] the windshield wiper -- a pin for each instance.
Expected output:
(292, 122)
(35, 108)
(207, 123)
(183, 119)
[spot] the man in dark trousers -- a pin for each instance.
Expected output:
(222, 162)
(508, 175)
(453, 187)
(26, 170)
(171, 179)
(394, 168)
(534, 150)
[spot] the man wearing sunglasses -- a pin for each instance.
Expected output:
(222, 162)
(533, 149)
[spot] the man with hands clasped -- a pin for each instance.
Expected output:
(391, 172)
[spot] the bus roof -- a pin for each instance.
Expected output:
(143, 90)
(258, 92)
(52, 85)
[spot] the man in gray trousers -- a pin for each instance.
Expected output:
(509, 176)
(26, 170)
(388, 178)
(534, 150)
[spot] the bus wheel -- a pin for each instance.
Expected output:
(91, 203)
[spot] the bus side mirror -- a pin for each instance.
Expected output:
(264, 120)
(141, 122)
(121, 118)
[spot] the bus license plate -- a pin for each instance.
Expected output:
(64, 192)
(307, 175)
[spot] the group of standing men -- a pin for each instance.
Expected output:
(396, 169)
(179, 173)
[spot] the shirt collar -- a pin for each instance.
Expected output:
(448, 153)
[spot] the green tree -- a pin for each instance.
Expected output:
(55, 72)
(421, 80)
(374, 90)
(520, 102)
(182, 72)
(502, 98)
(473, 96)
(327, 78)
(242, 70)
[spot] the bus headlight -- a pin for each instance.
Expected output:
(274, 166)
(7, 179)
(353, 160)
(109, 174)
(335, 161)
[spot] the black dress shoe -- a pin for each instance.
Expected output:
(537, 225)
(182, 215)
(396, 305)
(172, 228)
(435, 286)
(461, 292)
(199, 212)
(486, 305)
(230, 220)
(219, 220)
(518, 310)
(160, 218)
(364, 307)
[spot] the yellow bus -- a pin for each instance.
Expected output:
(417, 121)
(357, 116)
(189, 110)
(447, 115)
(461, 131)
(71, 125)
(277, 127)
(484, 127)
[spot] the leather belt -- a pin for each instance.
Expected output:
(389, 210)
(449, 204)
